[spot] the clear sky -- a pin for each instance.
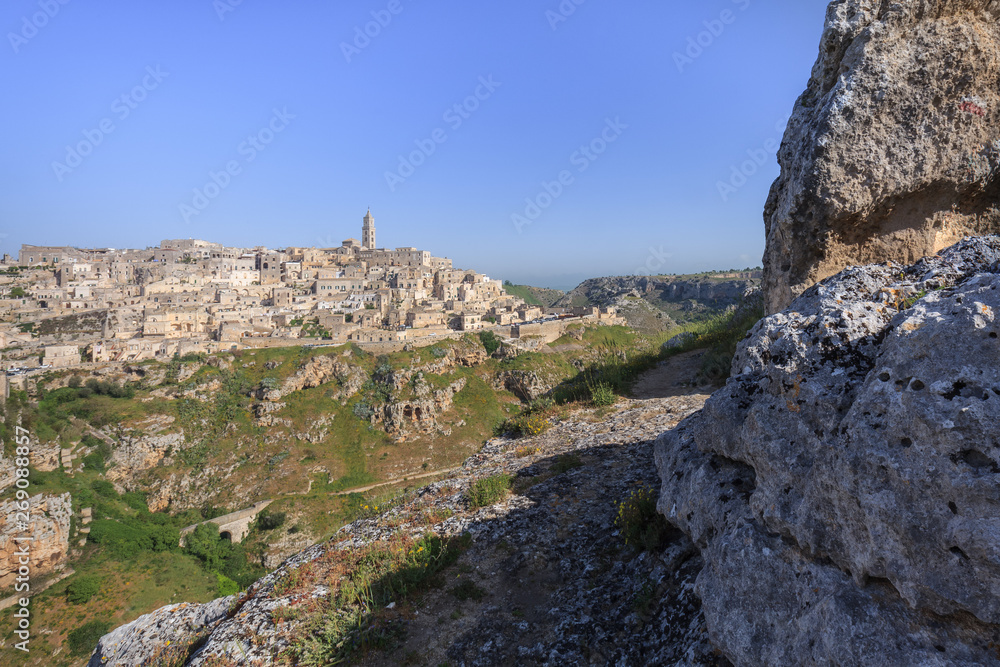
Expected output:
(534, 140)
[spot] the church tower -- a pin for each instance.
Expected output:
(368, 231)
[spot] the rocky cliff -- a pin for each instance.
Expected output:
(843, 487)
(48, 526)
(893, 150)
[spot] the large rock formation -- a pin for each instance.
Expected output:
(893, 150)
(48, 527)
(844, 486)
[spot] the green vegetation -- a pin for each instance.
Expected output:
(638, 522)
(488, 490)
(268, 521)
(721, 334)
(83, 640)
(356, 620)
(533, 296)
(82, 589)
(222, 556)
(490, 341)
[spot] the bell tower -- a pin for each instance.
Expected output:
(368, 231)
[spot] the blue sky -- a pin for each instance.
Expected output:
(588, 139)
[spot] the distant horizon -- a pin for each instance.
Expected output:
(564, 283)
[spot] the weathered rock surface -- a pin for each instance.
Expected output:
(844, 486)
(148, 639)
(318, 371)
(420, 415)
(526, 385)
(48, 525)
(142, 448)
(893, 150)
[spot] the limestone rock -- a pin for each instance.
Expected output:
(142, 448)
(318, 371)
(148, 639)
(402, 417)
(843, 486)
(893, 150)
(48, 526)
(526, 385)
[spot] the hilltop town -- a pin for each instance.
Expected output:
(65, 306)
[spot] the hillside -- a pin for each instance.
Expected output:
(534, 296)
(658, 303)
(160, 446)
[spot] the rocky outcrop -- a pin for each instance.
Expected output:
(526, 385)
(318, 371)
(843, 486)
(418, 414)
(893, 150)
(48, 527)
(162, 637)
(143, 447)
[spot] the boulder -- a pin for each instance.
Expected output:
(844, 486)
(893, 150)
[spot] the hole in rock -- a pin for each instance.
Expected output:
(958, 552)
(884, 377)
(917, 385)
(906, 442)
(956, 390)
(976, 460)
(953, 507)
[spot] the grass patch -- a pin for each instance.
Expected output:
(488, 490)
(354, 620)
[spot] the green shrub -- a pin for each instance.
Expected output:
(639, 523)
(83, 640)
(490, 341)
(82, 589)
(226, 585)
(488, 490)
(602, 395)
(104, 488)
(266, 521)
(438, 351)
(75, 381)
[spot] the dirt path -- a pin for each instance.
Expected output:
(677, 376)
(362, 489)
